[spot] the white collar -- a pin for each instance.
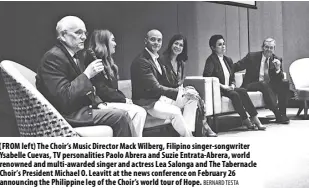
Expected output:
(220, 57)
(154, 56)
(264, 58)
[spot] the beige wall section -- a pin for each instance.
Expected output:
(196, 20)
(200, 20)
(295, 31)
(266, 21)
(140, 17)
(243, 33)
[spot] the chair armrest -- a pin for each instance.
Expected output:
(35, 116)
(284, 75)
(204, 86)
(216, 96)
(95, 131)
(125, 87)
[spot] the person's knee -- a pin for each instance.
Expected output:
(264, 85)
(121, 115)
(242, 91)
(175, 112)
(234, 95)
(142, 112)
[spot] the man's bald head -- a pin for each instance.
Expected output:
(68, 23)
(153, 40)
(72, 32)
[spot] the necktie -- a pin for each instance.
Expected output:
(78, 63)
(266, 75)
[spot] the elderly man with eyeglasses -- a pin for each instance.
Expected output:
(264, 73)
(63, 79)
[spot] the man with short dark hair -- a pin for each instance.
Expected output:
(264, 73)
(65, 82)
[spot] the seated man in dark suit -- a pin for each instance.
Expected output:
(148, 76)
(264, 73)
(64, 81)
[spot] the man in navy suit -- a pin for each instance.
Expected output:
(264, 73)
(63, 79)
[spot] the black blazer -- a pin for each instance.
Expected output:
(252, 63)
(106, 86)
(213, 68)
(147, 82)
(64, 86)
(173, 79)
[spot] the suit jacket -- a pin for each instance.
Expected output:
(61, 81)
(147, 82)
(213, 68)
(106, 86)
(173, 79)
(252, 63)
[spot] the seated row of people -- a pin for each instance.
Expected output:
(263, 73)
(82, 83)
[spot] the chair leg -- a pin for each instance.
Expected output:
(215, 123)
(299, 111)
(305, 109)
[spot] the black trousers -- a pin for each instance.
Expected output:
(271, 91)
(241, 102)
(118, 120)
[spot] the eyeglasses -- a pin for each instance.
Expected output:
(269, 47)
(80, 33)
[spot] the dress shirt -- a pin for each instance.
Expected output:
(261, 77)
(71, 53)
(225, 71)
(155, 60)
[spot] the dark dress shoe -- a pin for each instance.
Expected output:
(283, 119)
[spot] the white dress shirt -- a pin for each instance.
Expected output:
(71, 53)
(225, 71)
(155, 60)
(261, 75)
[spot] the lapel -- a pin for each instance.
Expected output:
(217, 61)
(149, 58)
(70, 58)
(259, 59)
(170, 74)
(167, 62)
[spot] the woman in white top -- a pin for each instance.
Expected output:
(220, 66)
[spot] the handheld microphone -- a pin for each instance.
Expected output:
(91, 52)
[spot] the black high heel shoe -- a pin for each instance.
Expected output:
(248, 124)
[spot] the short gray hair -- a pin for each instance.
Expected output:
(63, 24)
(268, 40)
